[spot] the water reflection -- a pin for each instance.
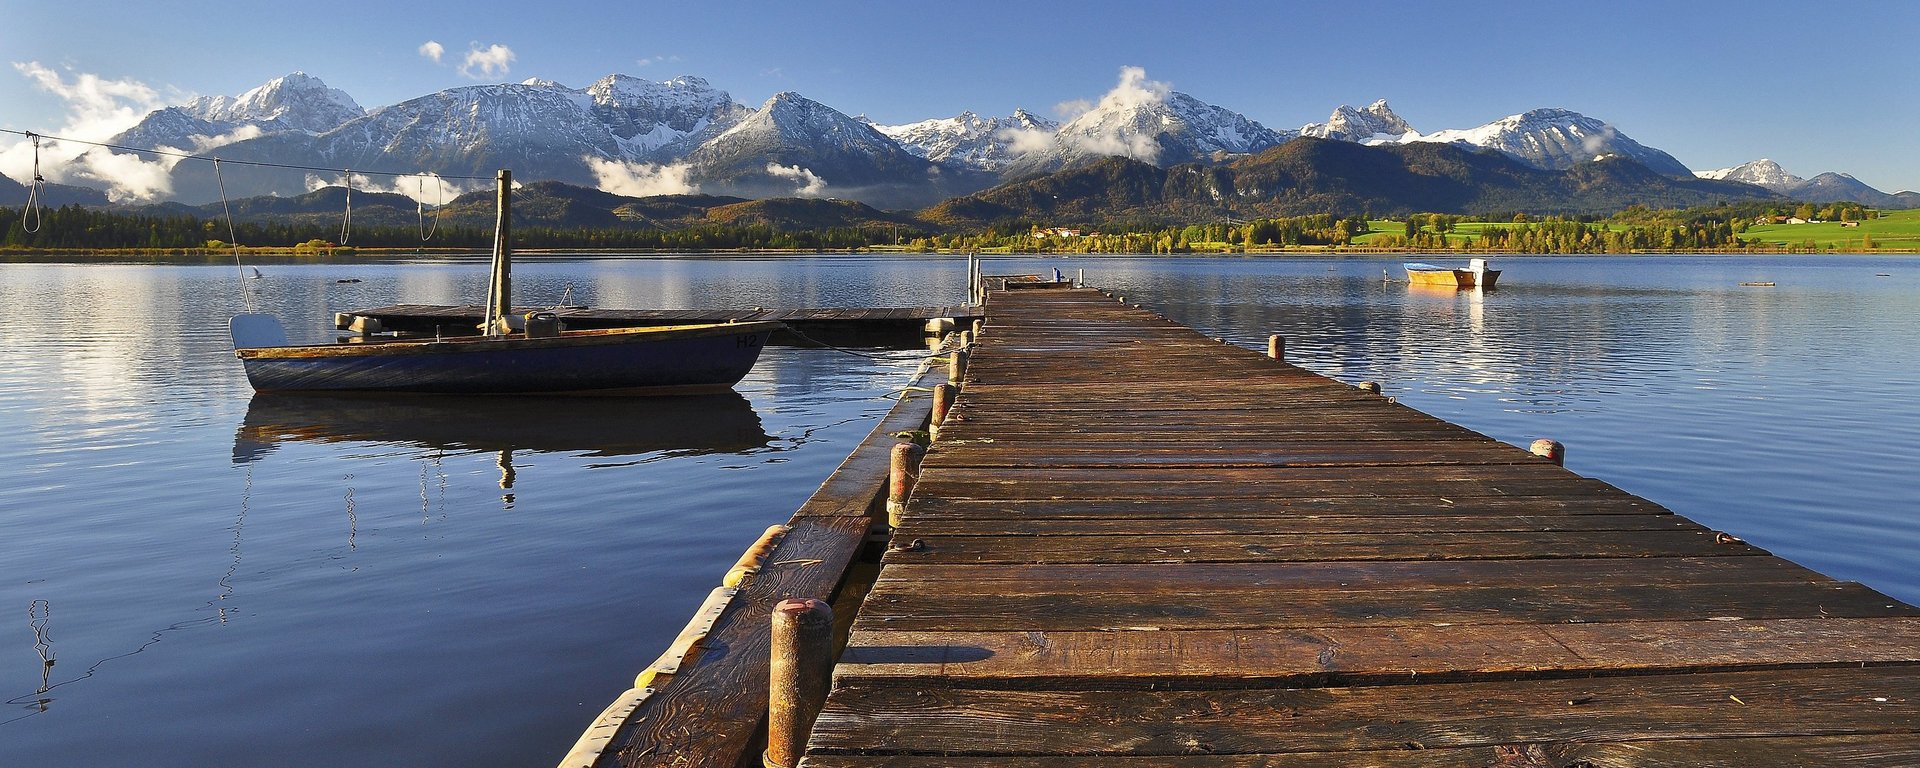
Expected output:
(614, 426)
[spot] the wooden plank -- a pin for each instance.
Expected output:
(1851, 751)
(928, 507)
(1329, 656)
(1776, 703)
(1274, 526)
(1046, 606)
(1226, 548)
(1359, 574)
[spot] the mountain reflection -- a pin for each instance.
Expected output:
(595, 426)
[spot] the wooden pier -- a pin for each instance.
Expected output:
(1133, 545)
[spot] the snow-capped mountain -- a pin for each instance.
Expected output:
(1824, 188)
(296, 102)
(1160, 127)
(794, 146)
(1762, 172)
(969, 140)
(1373, 125)
(649, 118)
(1557, 139)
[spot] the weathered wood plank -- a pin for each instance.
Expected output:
(1877, 750)
(928, 507)
(1013, 524)
(1224, 548)
(1327, 656)
(1028, 606)
(1775, 703)
(1358, 575)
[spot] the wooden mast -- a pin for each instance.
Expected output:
(500, 283)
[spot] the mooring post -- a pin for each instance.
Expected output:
(943, 400)
(798, 678)
(1370, 386)
(1551, 450)
(978, 326)
(957, 366)
(966, 338)
(1081, 282)
(1277, 347)
(900, 479)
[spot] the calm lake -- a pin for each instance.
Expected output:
(193, 576)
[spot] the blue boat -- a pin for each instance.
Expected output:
(540, 358)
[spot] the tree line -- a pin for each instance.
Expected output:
(1636, 228)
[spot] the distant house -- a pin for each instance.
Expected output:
(1849, 224)
(1795, 220)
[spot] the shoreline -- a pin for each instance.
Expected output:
(353, 254)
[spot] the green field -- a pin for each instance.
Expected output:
(1894, 229)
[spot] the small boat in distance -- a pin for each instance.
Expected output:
(1476, 275)
(542, 357)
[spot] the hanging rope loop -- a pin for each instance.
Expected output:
(31, 217)
(420, 206)
(346, 222)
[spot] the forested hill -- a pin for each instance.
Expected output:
(1308, 176)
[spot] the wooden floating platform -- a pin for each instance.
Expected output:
(827, 323)
(1132, 545)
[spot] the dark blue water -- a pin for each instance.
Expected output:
(225, 580)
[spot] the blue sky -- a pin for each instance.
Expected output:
(1815, 86)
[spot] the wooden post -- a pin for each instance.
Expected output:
(1082, 281)
(978, 326)
(957, 366)
(966, 338)
(942, 402)
(1277, 347)
(798, 678)
(500, 288)
(1551, 450)
(900, 481)
(1370, 386)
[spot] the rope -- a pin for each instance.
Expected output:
(439, 211)
(210, 158)
(246, 297)
(346, 222)
(33, 193)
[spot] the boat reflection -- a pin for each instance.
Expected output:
(595, 426)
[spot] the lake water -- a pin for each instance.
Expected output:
(228, 580)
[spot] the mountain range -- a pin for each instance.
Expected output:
(636, 137)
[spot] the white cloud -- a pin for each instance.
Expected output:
(1135, 90)
(97, 109)
(432, 50)
(640, 179)
(807, 184)
(489, 63)
(1072, 108)
(1133, 93)
(662, 59)
(426, 188)
(1025, 141)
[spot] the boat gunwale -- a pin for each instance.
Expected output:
(519, 341)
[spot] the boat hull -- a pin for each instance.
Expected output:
(1453, 278)
(679, 359)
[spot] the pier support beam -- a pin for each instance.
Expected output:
(798, 678)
